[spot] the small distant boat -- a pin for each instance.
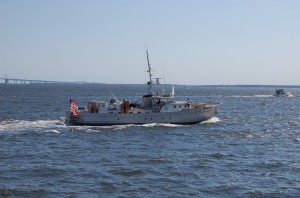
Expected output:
(282, 93)
(155, 108)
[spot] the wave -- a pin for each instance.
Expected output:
(161, 125)
(211, 121)
(121, 127)
(251, 96)
(263, 96)
(98, 128)
(59, 125)
(260, 96)
(21, 125)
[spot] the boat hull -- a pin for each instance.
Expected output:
(186, 116)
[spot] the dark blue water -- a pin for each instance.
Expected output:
(252, 149)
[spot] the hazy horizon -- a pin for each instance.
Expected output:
(193, 42)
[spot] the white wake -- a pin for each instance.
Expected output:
(21, 125)
(211, 121)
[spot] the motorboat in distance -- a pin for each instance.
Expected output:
(282, 93)
(154, 108)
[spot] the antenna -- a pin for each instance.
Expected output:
(157, 80)
(149, 68)
(150, 74)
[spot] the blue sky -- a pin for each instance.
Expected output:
(193, 42)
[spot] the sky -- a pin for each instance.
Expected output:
(191, 42)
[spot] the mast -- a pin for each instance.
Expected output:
(150, 82)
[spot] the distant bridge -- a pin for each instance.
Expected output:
(16, 81)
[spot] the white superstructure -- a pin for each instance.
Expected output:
(155, 108)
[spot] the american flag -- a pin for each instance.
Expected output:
(73, 107)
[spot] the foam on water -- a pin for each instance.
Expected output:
(211, 121)
(20, 125)
(263, 96)
(150, 125)
(121, 127)
(161, 125)
(53, 131)
(249, 96)
(100, 128)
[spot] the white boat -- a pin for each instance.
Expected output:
(282, 93)
(155, 108)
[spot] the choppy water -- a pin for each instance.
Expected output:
(252, 149)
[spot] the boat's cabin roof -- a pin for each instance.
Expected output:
(95, 101)
(163, 97)
(179, 102)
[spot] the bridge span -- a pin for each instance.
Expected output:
(17, 81)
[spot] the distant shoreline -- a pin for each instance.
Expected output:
(177, 85)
